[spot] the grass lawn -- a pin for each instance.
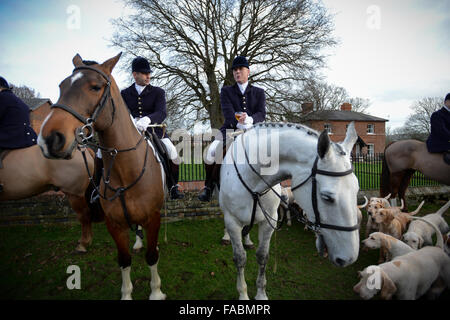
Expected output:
(193, 264)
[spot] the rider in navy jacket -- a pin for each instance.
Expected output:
(151, 103)
(147, 105)
(439, 139)
(244, 98)
(232, 100)
(15, 129)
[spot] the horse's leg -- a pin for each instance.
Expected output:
(80, 206)
(403, 186)
(239, 255)
(265, 232)
(152, 257)
(122, 239)
(138, 245)
(248, 244)
(226, 238)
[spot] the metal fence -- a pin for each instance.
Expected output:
(367, 168)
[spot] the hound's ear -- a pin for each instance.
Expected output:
(420, 244)
(111, 63)
(77, 61)
(388, 287)
(323, 144)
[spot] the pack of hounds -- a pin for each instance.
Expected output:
(409, 266)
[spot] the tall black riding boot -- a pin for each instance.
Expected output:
(173, 182)
(212, 178)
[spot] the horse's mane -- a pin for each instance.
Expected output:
(286, 125)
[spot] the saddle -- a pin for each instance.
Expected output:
(162, 153)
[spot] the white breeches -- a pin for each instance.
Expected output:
(171, 150)
(211, 153)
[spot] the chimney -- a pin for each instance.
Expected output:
(346, 107)
(307, 107)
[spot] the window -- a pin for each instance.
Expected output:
(370, 149)
(327, 127)
(370, 129)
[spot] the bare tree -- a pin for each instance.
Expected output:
(418, 125)
(24, 92)
(419, 121)
(191, 45)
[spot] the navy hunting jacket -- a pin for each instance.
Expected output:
(151, 103)
(253, 102)
(15, 129)
(439, 139)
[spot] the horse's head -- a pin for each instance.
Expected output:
(85, 98)
(332, 199)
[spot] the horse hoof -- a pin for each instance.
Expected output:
(249, 246)
(158, 296)
(80, 249)
(225, 242)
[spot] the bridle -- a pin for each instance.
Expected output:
(89, 121)
(84, 140)
(315, 226)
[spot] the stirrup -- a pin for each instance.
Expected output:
(176, 194)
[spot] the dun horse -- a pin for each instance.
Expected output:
(322, 183)
(402, 159)
(132, 188)
(26, 173)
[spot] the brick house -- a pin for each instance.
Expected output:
(39, 109)
(371, 130)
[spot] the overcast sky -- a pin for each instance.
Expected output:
(391, 52)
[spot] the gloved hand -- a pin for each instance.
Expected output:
(248, 123)
(143, 123)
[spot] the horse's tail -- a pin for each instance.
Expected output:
(385, 177)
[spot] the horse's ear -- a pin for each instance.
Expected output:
(323, 144)
(111, 63)
(350, 138)
(77, 61)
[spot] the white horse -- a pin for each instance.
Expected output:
(323, 185)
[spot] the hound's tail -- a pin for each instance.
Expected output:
(418, 209)
(444, 208)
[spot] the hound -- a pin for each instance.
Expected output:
(393, 221)
(374, 205)
(407, 277)
(387, 244)
(420, 234)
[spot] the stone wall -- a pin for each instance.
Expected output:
(53, 207)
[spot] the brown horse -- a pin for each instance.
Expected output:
(402, 159)
(26, 173)
(132, 188)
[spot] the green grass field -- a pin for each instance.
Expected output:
(193, 264)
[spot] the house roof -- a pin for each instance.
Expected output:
(339, 115)
(35, 103)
